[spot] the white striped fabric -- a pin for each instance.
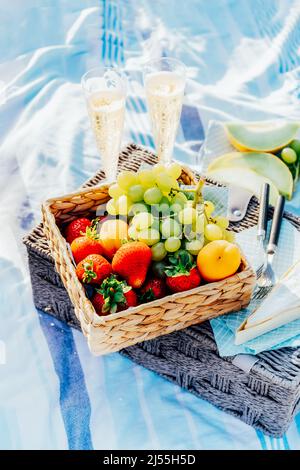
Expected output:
(53, 394)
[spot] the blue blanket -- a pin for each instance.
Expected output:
(242, 63)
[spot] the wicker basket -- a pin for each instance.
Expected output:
(267, 397)
(174, 312)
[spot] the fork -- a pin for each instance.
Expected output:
(266, 278)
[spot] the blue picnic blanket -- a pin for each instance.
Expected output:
(243, 62)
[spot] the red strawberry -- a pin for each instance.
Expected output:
(153, 289)
(93, 269)
(98, 303)
(182, 274)
(131, 300)
(182, 282)
(76, 228)
(88, 244)
(132, 261)
(113, 296)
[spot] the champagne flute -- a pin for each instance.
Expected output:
(164, 81)
(105, 93)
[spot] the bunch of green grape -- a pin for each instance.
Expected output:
(148, 187)
(216, 227)
(161, 213)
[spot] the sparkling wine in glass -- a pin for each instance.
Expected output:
(164, 81)
(105, 92)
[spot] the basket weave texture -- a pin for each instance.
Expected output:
(174, 312)
(267, 397)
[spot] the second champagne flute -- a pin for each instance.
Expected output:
(164, 81)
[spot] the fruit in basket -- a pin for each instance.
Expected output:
(174, 170)
(209, 208)
(158, 168)
(213, 232)
(113, 296)
(137, 208)
(182, 274)
(156, 223)
(132, 261)
(122, 205)
(178, 255)
(184, 281)
(166, 182)
(126, 179)
(150, 236)
(175, 208)
(153, 289)
(115, 191)
(149, 189)
(172, 244)
(98, 303)
(194, 246)
(180, 199)
(164, 208)
(86, 245)
(158, 251)
(136, 193)
(187, 216)
(218, 260)
(93, 269)
(142, 220)
(261, 136)
(158, 268)
(246, 179)
(170, 228)
(76, 228)
(132, 232)
(113, 233)
(111, 207)
(213, 227)
(166, 213)
(221, 222)
(146, 178)
(131, 300)
(153, 195)
(189, 232)
(264, 164)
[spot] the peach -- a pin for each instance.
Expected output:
(218, 259)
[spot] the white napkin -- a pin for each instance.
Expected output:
(225, 326)
(280, 307)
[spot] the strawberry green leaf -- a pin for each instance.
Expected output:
(91, 232)
(147, 296)
(113, 292)
(180, 263)
(119, 297)
(89, 274)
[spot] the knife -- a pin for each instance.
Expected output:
(263, 213)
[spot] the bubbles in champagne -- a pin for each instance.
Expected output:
(164, 92)
(107, 110)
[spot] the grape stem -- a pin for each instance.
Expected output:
(198, 197)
